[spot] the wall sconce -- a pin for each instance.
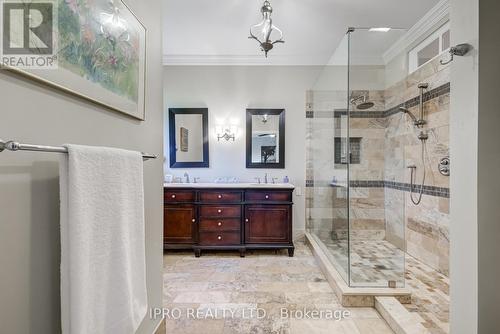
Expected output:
(226, 133)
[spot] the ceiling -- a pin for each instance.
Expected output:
(216, 31)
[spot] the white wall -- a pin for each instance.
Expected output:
(227, 91)
(29, 192)
(463, 179)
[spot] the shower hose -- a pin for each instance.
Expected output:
(413, 171)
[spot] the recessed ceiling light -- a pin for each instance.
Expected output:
(381, 29)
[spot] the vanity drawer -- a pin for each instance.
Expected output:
(220, 196)
(223, 224)
(178, 196)
(273, 195)
(219, 238)
(229, 211)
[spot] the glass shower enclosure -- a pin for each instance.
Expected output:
(351, 157)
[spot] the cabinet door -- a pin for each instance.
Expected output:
(179, 224)
(267, 224)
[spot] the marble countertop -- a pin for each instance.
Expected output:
(230, 185)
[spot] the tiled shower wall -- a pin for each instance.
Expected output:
(325, 204)
(380, 204)
(426, 225)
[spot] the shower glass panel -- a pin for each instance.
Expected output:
(352, 157)
(376, 213)
(327, 164)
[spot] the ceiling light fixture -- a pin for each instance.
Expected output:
(380, 29)
(265, 29)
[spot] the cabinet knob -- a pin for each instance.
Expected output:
(219, 224)
(267, 196)
(193, 220)
(173, 196)
(219, 210)
(246, 220)
(219, 196)
(219, 237)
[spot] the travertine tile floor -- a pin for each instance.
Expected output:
(218, 292)
(430, 296)
(376, 261)
(373, 262)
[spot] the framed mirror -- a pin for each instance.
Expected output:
(188, 137)
(265, 144)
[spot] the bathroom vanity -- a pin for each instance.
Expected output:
(239, 216)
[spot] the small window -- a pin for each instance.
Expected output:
(430, 48)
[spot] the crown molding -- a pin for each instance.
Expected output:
(243, 60)
(433, 19)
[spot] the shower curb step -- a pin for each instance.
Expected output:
(348, 296)
(398, 317)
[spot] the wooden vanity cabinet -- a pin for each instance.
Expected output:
(228, 219)
(179, 219)
(179, 224)
(266, 224)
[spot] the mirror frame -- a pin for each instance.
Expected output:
(281, 142)
(171, 133)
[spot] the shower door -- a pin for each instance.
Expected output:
(376, 213)
(352, 155)
(327, 160)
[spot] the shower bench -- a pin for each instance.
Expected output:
(228, 217)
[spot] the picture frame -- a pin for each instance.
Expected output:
(195, 139)
(184, 133)
(114, 76)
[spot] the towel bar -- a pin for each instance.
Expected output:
(16, 146)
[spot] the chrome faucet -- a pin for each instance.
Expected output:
(186, 177)
(258, 179)
(265, 179)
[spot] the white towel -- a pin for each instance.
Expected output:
(103, 264)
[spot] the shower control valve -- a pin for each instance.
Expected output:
(444, 166)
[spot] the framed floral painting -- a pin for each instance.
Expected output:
(100, 50)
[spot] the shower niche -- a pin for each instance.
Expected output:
(344, 151)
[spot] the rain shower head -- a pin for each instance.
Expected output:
(365, 104)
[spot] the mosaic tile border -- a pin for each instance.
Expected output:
(427, 190)
(432, 94)
(403, 186)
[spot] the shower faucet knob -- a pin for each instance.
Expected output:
(444, 166)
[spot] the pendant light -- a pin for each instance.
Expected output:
(263, 32)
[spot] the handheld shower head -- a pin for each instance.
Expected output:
(409, 113)
(418, 122)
